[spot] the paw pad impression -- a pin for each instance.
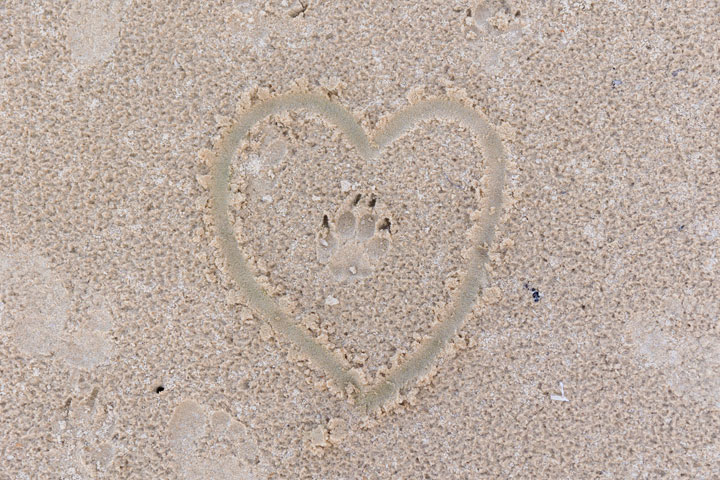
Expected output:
(355, 241)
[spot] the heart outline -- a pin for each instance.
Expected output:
(482, 233)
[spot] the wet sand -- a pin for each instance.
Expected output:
(313, 240)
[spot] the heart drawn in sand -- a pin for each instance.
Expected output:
(418, 362)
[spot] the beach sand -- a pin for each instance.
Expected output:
(359, 240)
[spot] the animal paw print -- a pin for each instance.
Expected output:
(354, 243)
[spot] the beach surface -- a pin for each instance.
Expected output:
(359, 240)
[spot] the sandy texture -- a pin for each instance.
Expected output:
(129, 349)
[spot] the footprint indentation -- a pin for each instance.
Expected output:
(366, 227)
(37, 309)
(346, 225)
(210, 445)
(355, 242)
(35, 302)
(93, 30)
(377, 248)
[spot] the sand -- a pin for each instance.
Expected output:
(325, 240)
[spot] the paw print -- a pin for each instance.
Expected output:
(355, 241)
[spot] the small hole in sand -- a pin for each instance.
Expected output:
(159, 389)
